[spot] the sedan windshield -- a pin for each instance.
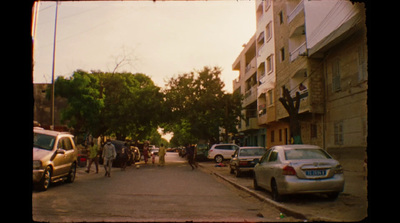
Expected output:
(300, 154)
(252, 152)
(43, 141)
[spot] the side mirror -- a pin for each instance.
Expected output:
(60, 151)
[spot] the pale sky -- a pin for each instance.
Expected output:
(162, 39)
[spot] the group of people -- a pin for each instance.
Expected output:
(147, 154)
(109, 154)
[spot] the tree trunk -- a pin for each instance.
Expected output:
(292, 106)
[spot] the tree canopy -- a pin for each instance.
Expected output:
(193, 105)
(198, 106)
(123, 104)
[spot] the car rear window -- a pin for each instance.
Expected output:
(299, 154)
(252, 152)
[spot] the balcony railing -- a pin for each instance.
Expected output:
(296, 11)
(250, 95)
(299, 51)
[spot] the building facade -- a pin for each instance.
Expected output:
(316, 48)
(247, 83)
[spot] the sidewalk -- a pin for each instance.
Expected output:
(351, 205)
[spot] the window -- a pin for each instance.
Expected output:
(42, 141)
(280, 135)
(272, 136)
(273, 157)
(313, 130)
(65, 144)
(224, 147)
(299, 154)
(362, 73)
(281, 17)
(270, 94)
(282, 54)
(338, 132)
(264, 157)
(336, 75)
(270, 64)
(267, 4)
(268, 31)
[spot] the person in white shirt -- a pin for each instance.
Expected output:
(108, 155)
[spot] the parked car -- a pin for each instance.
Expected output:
(118, 148)
(201, 151)
(54, 157)
(219, 152)
(245, 158)
(154, 151)
(297, 169)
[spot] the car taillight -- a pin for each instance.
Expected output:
(243, 163)
(210, 151)
(288, 170)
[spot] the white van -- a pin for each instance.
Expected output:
(219, 152)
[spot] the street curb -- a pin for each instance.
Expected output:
(279, 206)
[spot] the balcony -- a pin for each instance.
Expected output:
(251, 65)
(299, 51)
(250, 124)
(250, 96)
(299, 8)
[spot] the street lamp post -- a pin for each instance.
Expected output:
(53, 69)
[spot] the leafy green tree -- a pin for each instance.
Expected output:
(199, 106)
(123, 104)
(84, 101)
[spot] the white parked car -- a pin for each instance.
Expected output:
(298, 169)
(219, 152)
(245, 158)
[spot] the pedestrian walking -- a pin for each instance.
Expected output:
(161, 155)
(146, 152)
(109, 155)
(190, 152)
(124, 156)
(93, 157)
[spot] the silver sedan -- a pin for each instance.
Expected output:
(297, 169)
(244, 159)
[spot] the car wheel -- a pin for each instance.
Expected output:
(72, 173)
(232, 171)
(218, 158)
(237, 172)
(255, 184)
(46, 179)
(275, 193)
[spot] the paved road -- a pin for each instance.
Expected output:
(351, 205)
(150, 193)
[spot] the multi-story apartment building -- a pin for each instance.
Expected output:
(321, 53)
(316, 48)
(338, 42)
(297, 73)
(247, 84)
(276, 131)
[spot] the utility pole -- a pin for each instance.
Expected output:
(53, 69)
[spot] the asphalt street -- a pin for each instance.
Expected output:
(174, 192)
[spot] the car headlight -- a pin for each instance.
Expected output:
(37, 164)
(339, 169)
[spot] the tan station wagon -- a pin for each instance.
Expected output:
(54, 157)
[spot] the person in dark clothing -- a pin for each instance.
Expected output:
(190, 152)
(124, 156)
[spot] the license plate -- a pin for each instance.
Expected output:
(315, 172)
